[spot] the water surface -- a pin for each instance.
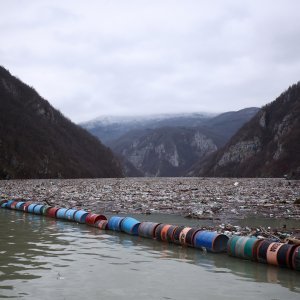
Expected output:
(43, 258)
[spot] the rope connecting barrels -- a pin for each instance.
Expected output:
(250, 248)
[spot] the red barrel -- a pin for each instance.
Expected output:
(164, 232)
(51, 212)
(25, 207)
(183, 234)
(296, 259)
(91, 219)
(13, 205)
(102, 224)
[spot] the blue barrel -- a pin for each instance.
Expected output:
(114, 223)
(70, 214)
(130, 226)
(61, 213)
(211, 240)
(9, 203)
(38, 209)
(31, 207)
(4, 205)
(20, 205)
(80, 216)
(2, 202)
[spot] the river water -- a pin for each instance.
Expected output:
(43, 258)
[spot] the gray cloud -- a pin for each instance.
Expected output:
(143, 57)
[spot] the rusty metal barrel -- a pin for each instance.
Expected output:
(51, 212)
(262, 250)
(102, 224)
(91, 218)
(296, 259)
(176, 234)
(280, 254)
(183, 234)
(147, 229)
(189, 239)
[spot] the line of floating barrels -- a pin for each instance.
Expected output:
(250, 248)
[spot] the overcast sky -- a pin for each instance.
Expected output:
(133, 57)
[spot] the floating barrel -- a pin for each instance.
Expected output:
(102, 224)
(176, 234)
(170, 233)
(243, 247)
(211, 240)
(80, 216)
(69, 215)
(4, 205)
(20, 205)
(262, 250)
(130, 225)
(26, 205)
(9, 203)
(114, 223)
(45, 209)
(296, 259)
(91, 219)
(31, 207)
(38, 209)
(182, 236)
(147, 229)
(164, 231)
(158, 231)
(2, 202)
(13, 205)
(280, 254)
(189, 239)
(60, 214)
(51, 212)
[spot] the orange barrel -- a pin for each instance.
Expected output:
(13, 205)
(182, 236)
(20, 205)
(147, 229)
(26, 205)
(52, 212)
(176, 234)
(262, 250)
(189, 240)
(280, 254)
(91, 219)
(102, 224)
(296, 259)
(170, 233)
(211, 240)
(158, 231)
(45, 209)
(164, 231)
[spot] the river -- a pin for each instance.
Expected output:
(44, 258)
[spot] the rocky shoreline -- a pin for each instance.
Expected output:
(203, 198)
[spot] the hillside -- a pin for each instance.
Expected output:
(37, 141)
(267, 146)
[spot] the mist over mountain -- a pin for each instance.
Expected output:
(37, 141)
(167, 145)
(266, 146)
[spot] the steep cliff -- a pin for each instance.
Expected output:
(37, 141)
(267, 146)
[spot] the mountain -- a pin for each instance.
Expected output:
(110, 128)
(37, 141)
(172, 150)
(266, 146)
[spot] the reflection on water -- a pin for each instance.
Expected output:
(42, 258)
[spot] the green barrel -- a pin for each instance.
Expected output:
(231, 245)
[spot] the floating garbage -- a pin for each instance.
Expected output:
(255, 248)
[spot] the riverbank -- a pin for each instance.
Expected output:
(221, 199)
